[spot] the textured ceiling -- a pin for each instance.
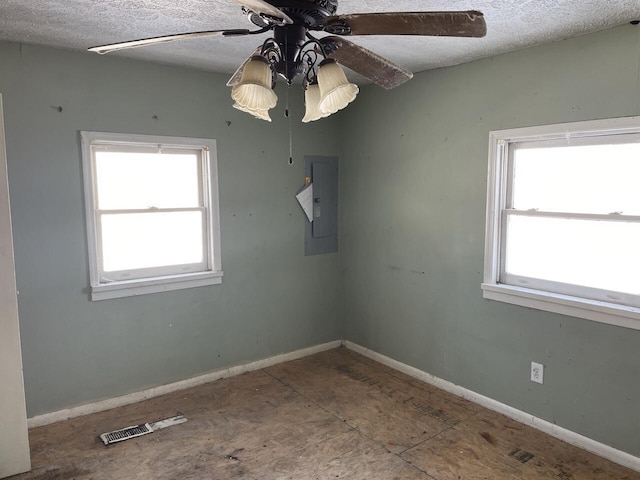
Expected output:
(511, 25)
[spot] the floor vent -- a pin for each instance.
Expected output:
(126, 433)
(139, 430)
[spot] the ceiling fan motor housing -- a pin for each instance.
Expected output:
(309, 13)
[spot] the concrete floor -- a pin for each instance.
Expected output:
(332, 415)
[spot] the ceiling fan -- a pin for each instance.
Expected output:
(294, 52)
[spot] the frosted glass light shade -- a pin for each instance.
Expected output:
(254, 89)
(335, 90)
(311, 101)
(261, 114)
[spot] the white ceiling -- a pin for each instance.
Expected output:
(511, 25)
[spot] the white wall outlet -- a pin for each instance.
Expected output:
(537, 372)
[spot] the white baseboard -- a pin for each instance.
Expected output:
(65, 414)
(605, 451)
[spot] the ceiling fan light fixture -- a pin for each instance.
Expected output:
(260, 114)
(254, 90)
(312, 102)
(335, 90)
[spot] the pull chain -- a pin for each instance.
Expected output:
(286, 114)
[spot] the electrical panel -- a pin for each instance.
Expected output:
(321, 235)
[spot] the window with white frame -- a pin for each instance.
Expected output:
(563, 219)
(152, 213)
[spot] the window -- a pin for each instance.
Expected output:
(563, 219)
(152, 213)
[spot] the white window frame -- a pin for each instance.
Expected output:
(155, 279)
(497, 195)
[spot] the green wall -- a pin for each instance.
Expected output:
(413, 186)
(273, 299)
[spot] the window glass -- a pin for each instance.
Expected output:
(580, 179)
(590, 253)
(134, 180)
(143, 240)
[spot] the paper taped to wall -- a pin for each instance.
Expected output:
(305, 199)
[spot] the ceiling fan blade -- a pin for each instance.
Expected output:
(451, 24)
(264, 8)
(368, 64)
(237, 76)
(143, 42)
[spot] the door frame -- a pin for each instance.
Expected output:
(14, 437)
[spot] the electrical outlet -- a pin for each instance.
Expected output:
(537, 372)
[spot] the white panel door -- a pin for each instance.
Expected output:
(14, 440)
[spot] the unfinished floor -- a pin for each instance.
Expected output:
(332, 415)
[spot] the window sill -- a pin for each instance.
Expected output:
(130, 288)
(603, 312)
